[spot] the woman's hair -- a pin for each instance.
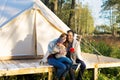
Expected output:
(60, 37)
(63, 34)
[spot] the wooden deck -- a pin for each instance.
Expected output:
(96, 62)
(20, 67)
(93, 61)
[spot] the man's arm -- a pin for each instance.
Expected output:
(78, 50)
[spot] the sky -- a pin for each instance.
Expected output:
(95, 7)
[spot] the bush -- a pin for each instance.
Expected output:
(115, 52)
(26, 77)
(102, 47)
(102, 77)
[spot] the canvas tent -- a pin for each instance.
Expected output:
(26, 28)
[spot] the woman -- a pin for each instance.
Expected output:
(61, 63)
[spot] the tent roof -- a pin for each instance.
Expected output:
(9, 9)
(12, 8)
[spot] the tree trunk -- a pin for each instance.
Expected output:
(71, 13)
(47, 2)
(55, 6)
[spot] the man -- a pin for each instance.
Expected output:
(73, 43)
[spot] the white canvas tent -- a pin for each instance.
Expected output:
(26, 28)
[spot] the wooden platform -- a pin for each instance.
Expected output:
(20, 67)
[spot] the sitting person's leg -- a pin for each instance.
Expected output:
(61, 68)
(72, 74)
(82, 69)
(67, 62)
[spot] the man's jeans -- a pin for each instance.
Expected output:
(80, 72)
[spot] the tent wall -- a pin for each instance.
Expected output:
(46, 32)
(16, 37)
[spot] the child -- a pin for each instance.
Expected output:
(59, 50)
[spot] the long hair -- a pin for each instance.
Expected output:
(62, 35)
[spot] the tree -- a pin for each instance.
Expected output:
(84, 23)
(114, 7)
(71, 15)
(114, 4)
(80, 20)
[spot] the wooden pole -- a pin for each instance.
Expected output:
(50, 74)
(35, 34)
(96, 72)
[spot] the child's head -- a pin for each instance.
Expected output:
(60, 42)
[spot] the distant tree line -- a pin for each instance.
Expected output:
(114, 7)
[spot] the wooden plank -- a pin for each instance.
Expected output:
(2, 67)
(27, 71)
(8, 65)
(106, 65)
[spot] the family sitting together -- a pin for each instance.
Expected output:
(65, 55)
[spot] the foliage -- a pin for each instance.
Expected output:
(109, 74)
(115, 5)
(26, 77)
(102, 28)
(84, 20)
(103, 48)
(78, 17)
(115, 52)
(88, 74)
(106, 50)
(102, 77)
(111, 3)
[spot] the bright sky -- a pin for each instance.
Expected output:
(95, 7)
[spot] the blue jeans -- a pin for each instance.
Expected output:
(67, 62)
(60, 65)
